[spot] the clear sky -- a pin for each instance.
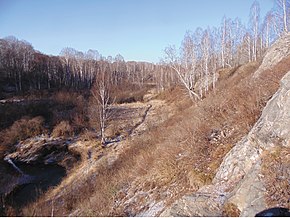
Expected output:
(137, 29)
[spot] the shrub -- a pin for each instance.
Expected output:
(231, 210)
(11, 112)
(88, 135)
(22, 129)
(70, 106)
(63, 129)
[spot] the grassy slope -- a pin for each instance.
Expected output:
(176, 157)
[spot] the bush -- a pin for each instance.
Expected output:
(88, 135)
(71, 107)
(63, 129)
(22, 129)
(230, 209)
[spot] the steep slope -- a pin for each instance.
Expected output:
(194, 142)
(241, 180)
(241, 168)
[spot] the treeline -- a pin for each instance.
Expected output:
(195, 63)
(22, 68)
(233, 43)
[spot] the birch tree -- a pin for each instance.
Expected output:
(101, 95)
(189, 60)
(270, 29)
(223, 40)
(238, 33)
(205, 45)
(174, 62)
(283, 12)
(254, 26)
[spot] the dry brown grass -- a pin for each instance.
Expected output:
(53, 107)
(65, 97)
(276, 171)
(88, 135)
(128, 93)
(179, 155)
(85, 195)
(182, 150)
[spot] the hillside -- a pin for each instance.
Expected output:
(254, 175)
(164, 154)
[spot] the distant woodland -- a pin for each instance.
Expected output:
(195, 62)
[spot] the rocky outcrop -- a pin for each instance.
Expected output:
(35, 154)
(35, 165)
(279, 50)
(44, 150)
(239, 179)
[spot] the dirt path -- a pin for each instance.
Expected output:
(142, 117)
(141, 122)
(134, 119)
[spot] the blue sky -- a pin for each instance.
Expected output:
(137, 29)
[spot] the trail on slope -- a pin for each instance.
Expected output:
(134, 131)
(141, 118)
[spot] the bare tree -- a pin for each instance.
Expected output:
(174, 62)
(91, 56)
(16, 58)
(238, 33)
(270, 29)
(283, 13)
(206, 49)
(254, 25)
(223, 40)
(189, 60)
(101, 95)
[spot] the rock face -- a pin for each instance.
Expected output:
(44, 150)
(239, 179)
(40, 155)
(275, 54)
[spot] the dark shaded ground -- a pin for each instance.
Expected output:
(42, 177)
